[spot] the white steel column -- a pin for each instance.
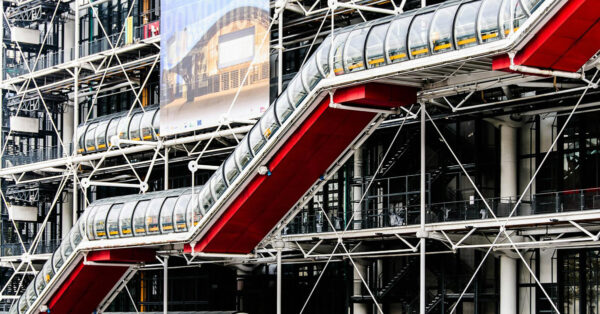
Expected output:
(279, 272)
(165, 284)
(281, 5)
(359, 308)
(508, 285)
(508, 163)
(166, 168)
(67, 204)
(357, 189)
(422, 234)
(75, 110)
(508, 190)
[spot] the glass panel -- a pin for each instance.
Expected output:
(488, 20)
(519, 16)
(284, 110)
(193, 209)
(81, 138)
(75, 237)
(66, 246)
(256, 139)
(532, 5)
(218, 185)
(139, 218)
(31, 296)
(206, 201)
(441, 29)
(180, 209)
(23, 306)
(268, 122)
(112, 221)
(90, 139)
(354, 59)
(101, 135)
(134, 127)
(112, 130)
(48, 271)
(90, 222)
(82, 222)
(418, 43)
(296, 92)
(396, 40)
(123, 128)
(375, 50)
(166, 214)
(311, 73)
(100, 221)
(156, 123)
(57, 260)
(338, 50)
(231, 169)
(242, 153)
(40, 284)
(465, 30)
(146, 125)
(323, 56)
(125, 226)
(152, 215)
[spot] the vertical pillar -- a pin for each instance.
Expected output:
(166, 168)
(165, 284)
(67, 204)
(357, 188)
(359, 308)
(422, 235)
(75, 110)
(280, 48)
(508, 285)
(279, 272)
(508, 163)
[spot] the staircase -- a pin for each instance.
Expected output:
(398, 154)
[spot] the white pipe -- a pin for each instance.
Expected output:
(536, 71)
(279, 271)
(352, 6)
(422, 301)
(113, 184)
(165, 284)
(361, 109)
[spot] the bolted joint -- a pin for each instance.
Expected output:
(422, 234)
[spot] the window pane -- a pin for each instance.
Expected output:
(112, 130)
(375, 49)
(90, 139)
(311, 73)
(338, 49)
(57, 260)
(206, 201)
(418, 44)
(180, 209)
(112, 221)
(152, 214)
(101, 135)
(296, 92)
(124, 128)
(90, 222)
(139, 218)
(256, 139)
(81, 138)
(465, 30)
(156, 123)
(269, 122)
(323, 56)
(518, 19)
(231, 169)
(242, 153)
(284, 110)
(396, 40)
(166, 214)
(100, 221)
(488, 20)
(125, 219)
(532, 5)
(134, 127)
(146, 125)
(218, 184)
(354, 54)
(441, 29)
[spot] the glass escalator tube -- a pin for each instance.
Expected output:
(101, 135)
(166, 214)
(256, 138)
(296, 91)
(138, 221)
(337, 51)
(14, 309)
(310, 72)
(354, 50)
(57, 260)
(512, 11)
(322, 56)
(134, 127)
(418, 36)
(146, 127)
(125, 219)
(156, 124)
(488, 20)
(81, 130)
(99, 222)
(66, 246)
(441, 29)
(90, 138)
(395, 40)
(40, 283)
(243, 154)
(180, 210)
(23, 306)
(206, 201)
(218, 184)
(112, 221)
(123, 127)
(30, 294)
(375, 46)
(269, 122)
(465, 25)
(48, 271)
(90, 221)
(532, 5)
(112, 130)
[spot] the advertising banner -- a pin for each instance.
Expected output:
(207, 46)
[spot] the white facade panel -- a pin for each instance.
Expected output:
(24, 124)
(25, 35)
(22, 213)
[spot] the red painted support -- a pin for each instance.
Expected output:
(315, 145)
(87, 285)
(565, 43)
